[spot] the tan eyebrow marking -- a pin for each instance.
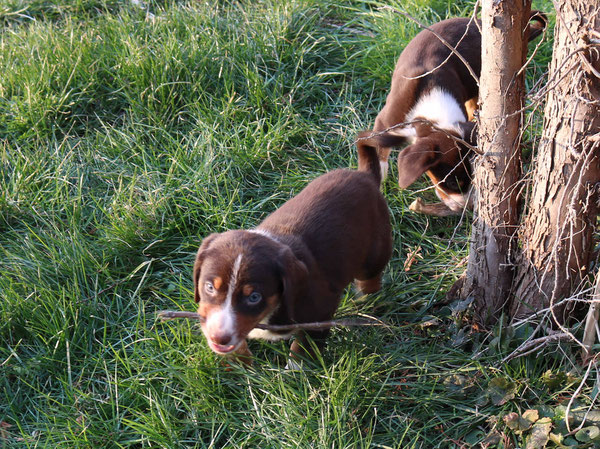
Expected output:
(217, 282)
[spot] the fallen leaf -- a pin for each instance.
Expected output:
(517, 423)
(501, 390)
(540, 434)
(412, 257)
(457, 384)
(472, 438)
(588, 434)
(461, 305)
(531, 415)
(556, 438)
(554, 380)
(492, 439)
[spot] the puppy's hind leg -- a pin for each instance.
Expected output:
(369, 280)
(370, 285)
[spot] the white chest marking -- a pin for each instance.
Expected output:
(440, 108)
(262, 334)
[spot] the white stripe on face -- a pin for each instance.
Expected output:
(222, 322)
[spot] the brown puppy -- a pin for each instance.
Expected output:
(294, 266)
(432, 86)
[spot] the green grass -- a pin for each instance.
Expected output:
(127, 134)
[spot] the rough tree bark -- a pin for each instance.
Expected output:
(557, 231)
(489, 272)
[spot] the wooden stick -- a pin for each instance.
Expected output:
(171, 314)
(319, 325)
(537, 344)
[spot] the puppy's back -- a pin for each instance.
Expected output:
(340, 217)
(329, 201)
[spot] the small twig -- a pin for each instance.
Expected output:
(171, 314)
(521, 350)
(319, 325)
(590, 406)
(577, 391)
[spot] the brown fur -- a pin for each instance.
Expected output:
(300, 258)
(426, 63)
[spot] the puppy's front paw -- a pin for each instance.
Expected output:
(416, 205)
(435, 209)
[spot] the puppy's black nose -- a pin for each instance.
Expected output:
(221, 339)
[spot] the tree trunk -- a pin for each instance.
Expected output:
(497, 172)
(557, 232)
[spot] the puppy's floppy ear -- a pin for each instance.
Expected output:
(294, 276)
(200, 256)
(415, 160)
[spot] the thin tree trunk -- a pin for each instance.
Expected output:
(557, 233)
(497, 172)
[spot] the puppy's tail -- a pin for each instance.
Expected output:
(368, 161)
(538, 21)
(368, 156)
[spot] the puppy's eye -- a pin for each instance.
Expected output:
(209, 288)
(254, 298)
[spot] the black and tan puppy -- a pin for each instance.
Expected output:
(432, 87)
(294, 266)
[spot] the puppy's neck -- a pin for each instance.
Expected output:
(439, 107)
(264, 233)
